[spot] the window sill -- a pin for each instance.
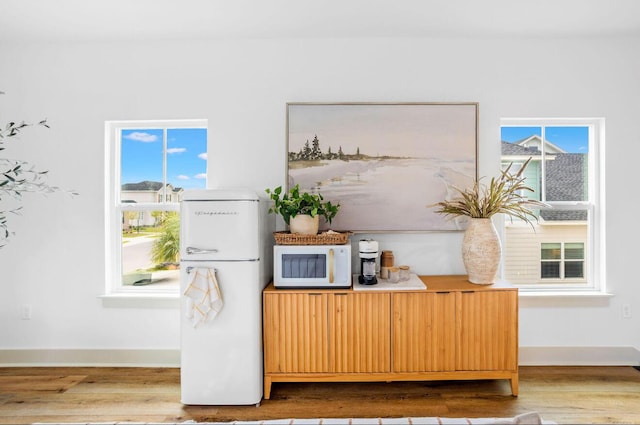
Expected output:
(563, 294)
(141, 300)
(172, 300)
(567, 298)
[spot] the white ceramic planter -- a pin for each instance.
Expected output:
(304, 224)
(481, 251)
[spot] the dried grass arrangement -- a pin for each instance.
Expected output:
(504, 195)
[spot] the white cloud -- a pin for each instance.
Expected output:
(183, 177)
(203, 156)
(176, 150)
(201, 176)
(139, 136)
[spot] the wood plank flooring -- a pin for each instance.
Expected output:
(566, 395)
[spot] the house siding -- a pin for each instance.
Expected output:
(133, 194)
(522, 249)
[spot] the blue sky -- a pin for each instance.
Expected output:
(142, 156)
(571, 139)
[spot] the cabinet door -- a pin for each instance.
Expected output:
(487, 330)
(423, 332)
(361, 332)
(296, 333)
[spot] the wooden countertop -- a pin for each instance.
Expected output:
(435, 283)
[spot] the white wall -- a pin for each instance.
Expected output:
(56, 260)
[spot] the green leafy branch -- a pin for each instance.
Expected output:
(18, 177)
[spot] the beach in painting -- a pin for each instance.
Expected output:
(385, 194)
(384, 163)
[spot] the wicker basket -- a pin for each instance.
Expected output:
(326, 238)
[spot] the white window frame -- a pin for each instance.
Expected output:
(595, 252)
(113, 209)
(562, 261)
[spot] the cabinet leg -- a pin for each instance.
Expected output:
(514, 385)
(267, 387)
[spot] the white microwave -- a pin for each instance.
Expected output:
(312, 266)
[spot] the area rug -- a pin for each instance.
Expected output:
(530, 418)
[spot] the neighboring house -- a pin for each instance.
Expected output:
(147, 192)
(534, 143)
(534, 256)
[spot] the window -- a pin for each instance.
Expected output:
(564, 250)
(562, 260)
(150, 164)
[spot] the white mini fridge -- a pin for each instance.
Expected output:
(227, 234)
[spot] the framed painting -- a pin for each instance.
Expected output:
(384, 163)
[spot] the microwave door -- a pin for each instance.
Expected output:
(312, 267)
(303, 266)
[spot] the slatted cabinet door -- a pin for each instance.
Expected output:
(487, 330)
(296, 332)
(424, 332)
(361, 330)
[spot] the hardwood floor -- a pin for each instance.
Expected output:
(562, 394)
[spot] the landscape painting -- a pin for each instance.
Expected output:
(384, 163)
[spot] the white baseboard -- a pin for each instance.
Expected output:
(528, 356)
(90, 357)
(578, 356)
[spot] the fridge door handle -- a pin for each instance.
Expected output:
(192, 250)
(192, 268)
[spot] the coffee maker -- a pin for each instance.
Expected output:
(368, 252)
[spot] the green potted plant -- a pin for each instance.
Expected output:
(301, 210)
(481, 248)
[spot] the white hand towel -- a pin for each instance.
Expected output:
(203, 295)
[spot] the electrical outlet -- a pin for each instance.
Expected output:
(626, 311)
(26, 312)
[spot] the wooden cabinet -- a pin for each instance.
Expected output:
(326, 332)
(487, 331)
(424, 334)
(451, 330)
(360, 332)
(297, 326)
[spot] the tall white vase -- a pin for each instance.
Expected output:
(481, 251)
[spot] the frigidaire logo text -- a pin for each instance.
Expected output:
(216, 212)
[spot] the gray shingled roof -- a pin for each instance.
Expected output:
(513, 149)
(566, 179)
(566, 176)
